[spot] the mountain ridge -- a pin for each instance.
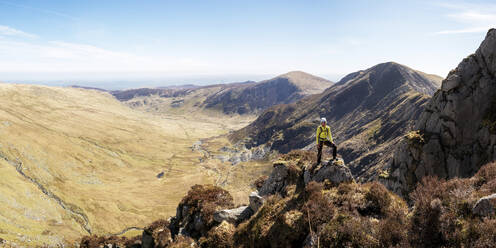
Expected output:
(244, 98)
(365, 109)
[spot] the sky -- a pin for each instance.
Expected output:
(125, 44)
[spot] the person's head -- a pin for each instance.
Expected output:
(323, 121)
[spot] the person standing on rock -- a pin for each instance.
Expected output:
(324, 137)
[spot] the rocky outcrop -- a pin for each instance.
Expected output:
(289, 171)
(298, 168)
(195, 213)
(335, 172)
(456, 133)
(485, 206)
(283, 174)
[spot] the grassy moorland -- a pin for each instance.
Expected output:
(80, 161)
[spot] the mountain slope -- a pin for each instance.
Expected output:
(235, 98)
(367, 111)
(456, 134)
(285, 88)
(76, 161)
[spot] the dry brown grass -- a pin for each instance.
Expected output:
(442, 212)
(101, 158)
(220, 236)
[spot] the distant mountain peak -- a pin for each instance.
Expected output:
(393, 75)
(296, 74)
(306, 82)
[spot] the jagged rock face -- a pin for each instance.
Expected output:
(457, 128)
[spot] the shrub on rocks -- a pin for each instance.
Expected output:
(195, 212)
(220, 236)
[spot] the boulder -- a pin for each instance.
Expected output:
(256, 201)
(276, 181)
(485, 206)
(335, 171)
(234, 216)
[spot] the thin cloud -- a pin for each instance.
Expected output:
(44, 11)
(475, 18)
(465, 31)
(8, 31)
(60, 56)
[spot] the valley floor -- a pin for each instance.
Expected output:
(75, 162)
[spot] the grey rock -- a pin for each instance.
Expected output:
(334, 171)
(256, 201)
(485, 206)
(276, 181)
(457, 139)
(233, 216)
(451, 82)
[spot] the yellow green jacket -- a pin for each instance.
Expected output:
(323, 133)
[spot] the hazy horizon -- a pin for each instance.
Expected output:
(119, 84)
(115, 44)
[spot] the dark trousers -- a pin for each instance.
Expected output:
(321, 145)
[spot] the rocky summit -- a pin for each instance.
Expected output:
(456, 133)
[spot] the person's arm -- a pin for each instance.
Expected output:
(330, 135)
(317, 136)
